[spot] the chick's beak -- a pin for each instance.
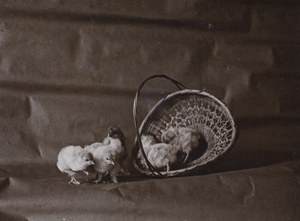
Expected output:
(112, 162)
(92, 163)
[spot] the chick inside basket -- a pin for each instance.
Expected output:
(173, 150)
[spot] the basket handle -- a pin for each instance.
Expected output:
(180, 86)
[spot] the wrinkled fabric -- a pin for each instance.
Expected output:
(70, 69)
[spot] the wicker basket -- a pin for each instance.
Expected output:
(186, 108)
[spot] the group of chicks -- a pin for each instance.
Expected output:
(173, 149)
(102, 158)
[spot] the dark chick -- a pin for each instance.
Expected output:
(116, 138)
(117, 133)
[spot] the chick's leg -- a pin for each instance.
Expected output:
(73, 180)
(168, 166)
(114, 178)
(98, 178)
(124, 172)
(186, 157)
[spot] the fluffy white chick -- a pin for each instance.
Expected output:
(72, 159)
(185, 139)
(91, 148)
(147, 140)
(104, 158)
(162, 155)
(109, 155)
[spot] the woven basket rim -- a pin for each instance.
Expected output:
(191, 167)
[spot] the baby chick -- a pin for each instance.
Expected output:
(91, 148)
(116, 139)
(162, 155)
(169, 135)
(147, 140)
(104, 157)
(185, 139)
(72, 159)
(109, 155)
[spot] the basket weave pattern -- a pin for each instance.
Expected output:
(191, 109)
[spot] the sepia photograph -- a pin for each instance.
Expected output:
(162, 110)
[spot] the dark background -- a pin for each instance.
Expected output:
(70, 69)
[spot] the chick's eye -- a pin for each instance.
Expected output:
(86, 159)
